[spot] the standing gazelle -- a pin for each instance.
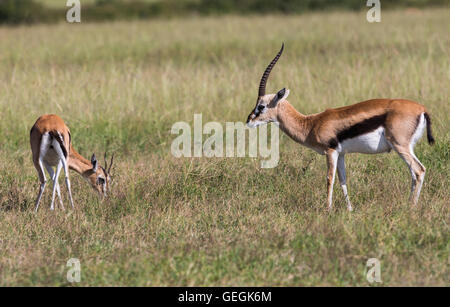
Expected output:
(51, 146)
(371, 127)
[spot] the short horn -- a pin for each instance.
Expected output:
(111, 163)
(265, 76)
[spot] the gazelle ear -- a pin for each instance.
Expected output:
(94, 163)
(280, 96)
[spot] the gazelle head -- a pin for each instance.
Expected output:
(266, 110)
(99, 176)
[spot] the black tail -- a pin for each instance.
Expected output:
(55, 135)
(429, 132)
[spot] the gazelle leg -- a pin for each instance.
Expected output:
(58, 169)
(39, 165)
(55, 185)
(417, 171)
(55, 182)
(343, 180)
(66, 173)
(70, 193)
(332, 158)
(420, 178)
(60, 153)
(43, 181)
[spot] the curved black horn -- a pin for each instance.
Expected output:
(262, 84)
(111, 163)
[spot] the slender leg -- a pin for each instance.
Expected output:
(42, 186)
(413, 183)
(58, 169)
(420, 178)
(55, 185)
(343, 179)
(332, 157)
(55, 182)
(416, 168)
(39, 164)
(419, 188)
(68, 188)
(60, 153)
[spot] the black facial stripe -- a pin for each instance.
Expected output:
(258, 110)
(366, 126)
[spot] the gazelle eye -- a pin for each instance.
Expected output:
(261, 107)
(100, 180)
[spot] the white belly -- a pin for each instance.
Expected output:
(369, 143)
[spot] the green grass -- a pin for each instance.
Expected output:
(224, 222)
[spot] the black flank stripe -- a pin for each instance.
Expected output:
(366, 126)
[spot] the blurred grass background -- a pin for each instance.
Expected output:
(49, 11)
(120, 86)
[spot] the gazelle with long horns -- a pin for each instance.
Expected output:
(51, 145)
(370, 127)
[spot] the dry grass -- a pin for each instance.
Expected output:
(120, 87)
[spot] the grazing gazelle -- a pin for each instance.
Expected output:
(51, 146)
(371, 127)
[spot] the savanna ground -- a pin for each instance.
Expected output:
(224, 221)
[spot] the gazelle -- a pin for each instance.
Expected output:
(370, 127)
(51, 145)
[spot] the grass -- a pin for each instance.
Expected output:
(221, 222)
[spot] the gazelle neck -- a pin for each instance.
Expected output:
(292, 122)
(78, 163)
